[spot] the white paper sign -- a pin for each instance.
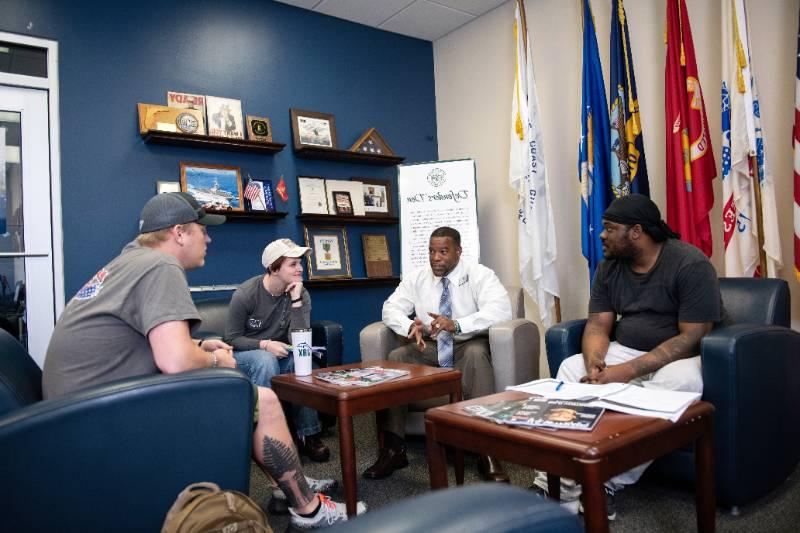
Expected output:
(437, 194)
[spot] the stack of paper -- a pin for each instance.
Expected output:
(622, 397)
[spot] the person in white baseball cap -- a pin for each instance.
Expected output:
(263, 311)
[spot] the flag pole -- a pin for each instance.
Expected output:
(762, 255)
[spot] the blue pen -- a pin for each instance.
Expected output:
(560, 384)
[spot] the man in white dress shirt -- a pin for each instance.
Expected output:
(453, 301)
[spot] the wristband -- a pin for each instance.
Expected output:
(300, 299)
(213, 360)
(458, 327)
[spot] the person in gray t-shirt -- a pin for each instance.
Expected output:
(262, 312)
(132, 318)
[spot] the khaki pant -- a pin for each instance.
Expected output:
(471, 357)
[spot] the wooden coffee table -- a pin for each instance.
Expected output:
(421, 383)
(618, 443)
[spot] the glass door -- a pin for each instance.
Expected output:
(27, 295)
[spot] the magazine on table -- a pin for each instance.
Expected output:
(540, 412)
(361, 377)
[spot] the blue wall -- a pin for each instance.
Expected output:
(270, 56)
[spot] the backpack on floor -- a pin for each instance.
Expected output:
(203, 507)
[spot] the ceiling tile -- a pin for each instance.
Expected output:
(305, 4)
(367, 12)
(426, 20)
(473, 7)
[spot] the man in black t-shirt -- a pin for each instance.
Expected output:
(666, 295)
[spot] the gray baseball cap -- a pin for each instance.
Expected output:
(171, 208)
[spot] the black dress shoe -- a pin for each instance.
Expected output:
(491, 469)
(313, 448)
(389, 460)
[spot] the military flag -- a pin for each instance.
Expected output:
(749, 215)
(528, 176)
(628, 165)
(690, 156)
(594, 147)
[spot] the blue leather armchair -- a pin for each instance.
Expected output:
(214, 314)
(494, 507)
(114, 457)
(751, 364)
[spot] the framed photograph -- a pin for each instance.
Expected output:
(259, 129)
(258, 196)
(224, 117)
(310, 128)
(313, 199)
(377, 197)
(353, 187)
(342, 203)
(376, 255)
(215, 187)
(168, 186)
(330, 256)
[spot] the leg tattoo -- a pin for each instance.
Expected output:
(283, 464)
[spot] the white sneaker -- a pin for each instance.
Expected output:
(316, 485)
(329, 513)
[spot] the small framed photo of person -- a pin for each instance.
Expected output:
(342, 203)
(377, 197)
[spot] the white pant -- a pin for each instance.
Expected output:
(682, 375)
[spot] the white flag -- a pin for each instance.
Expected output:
(743, 138)
(527, 175)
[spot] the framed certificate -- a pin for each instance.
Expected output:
(376, 255)
(330, 256)
(313, 199)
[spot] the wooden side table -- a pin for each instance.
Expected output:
(421, 383)
(618, 443)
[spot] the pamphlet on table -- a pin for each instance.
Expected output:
(361, 377)
(540, 412)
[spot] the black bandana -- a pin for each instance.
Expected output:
(639, 209)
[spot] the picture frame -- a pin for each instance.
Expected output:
(189, 101)
(377, 260)
(168, 186)
(378, 198)
(342, 203)
(258, 196)
(215, 187)
(313, 197)
(224, 117)
(356, 197)
(311, 128)
(330, 256)
(259, 129)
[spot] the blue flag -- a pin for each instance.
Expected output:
(628, 165)
(594, 149)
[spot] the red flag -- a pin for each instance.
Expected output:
(690, 157)
(281, 190)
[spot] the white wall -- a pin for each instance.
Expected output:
(474, 70)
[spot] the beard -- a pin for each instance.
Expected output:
(625, 251)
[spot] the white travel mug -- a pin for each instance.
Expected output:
(301, 351)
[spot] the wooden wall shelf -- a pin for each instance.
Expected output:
(249, 216)
(345, 219)
(217, 143)
(350, 282)
(332, 154)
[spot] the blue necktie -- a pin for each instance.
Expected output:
(444, 339)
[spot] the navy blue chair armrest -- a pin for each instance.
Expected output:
(562, 341)
(115, 456)
(329, 334)
(481, 507)
(749, 374)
